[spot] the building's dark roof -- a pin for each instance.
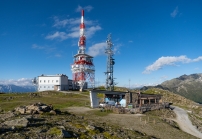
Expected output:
(108, 92)
(57, 75)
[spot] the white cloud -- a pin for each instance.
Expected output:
(64, 22)
(91, 31)
(58, 55)
(97, 49)
(169, 60)
(130, 41)
(174, 13)
(86, 8)
(45, 48)
(197, 59)
(71, 22)
(74, 33)
(60, 23)
(18, 82)
(116, 49)
(72, 28)
(34, 46)
(48, 50)
(57, 35)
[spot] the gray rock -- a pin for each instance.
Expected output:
(53, 112)
(29, 117)
(90, 127)
(65, 134)
(22, 122)
(21, 109)
(6, 115)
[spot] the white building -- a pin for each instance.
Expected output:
(58, 82)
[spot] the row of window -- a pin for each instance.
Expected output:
(45, 87)
(48, 81)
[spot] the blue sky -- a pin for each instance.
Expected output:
(153, 40)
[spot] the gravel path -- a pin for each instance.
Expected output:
(185, 124)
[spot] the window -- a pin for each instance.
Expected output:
(56, 80)
(48, 86)
(48, 81)
(44, 86)
(40, 81)
(52, 81)
(52, 86)
(44, 81)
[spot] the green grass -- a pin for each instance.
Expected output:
(57, 99)
(55, 131)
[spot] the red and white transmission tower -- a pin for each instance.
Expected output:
(83, 67)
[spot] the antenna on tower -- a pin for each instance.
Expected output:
(109, 85)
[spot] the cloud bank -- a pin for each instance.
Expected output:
(18, 82)
(169, 61)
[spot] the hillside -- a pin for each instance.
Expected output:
(80, 121)
(189, 86)
(194, 109)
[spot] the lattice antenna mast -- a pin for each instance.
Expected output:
(110, 62)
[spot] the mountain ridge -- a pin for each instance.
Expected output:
(189, 86)
(14, 88)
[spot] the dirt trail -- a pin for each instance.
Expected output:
(185, 124)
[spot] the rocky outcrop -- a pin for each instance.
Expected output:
(57, 124)
(22, 122)
(34, 108)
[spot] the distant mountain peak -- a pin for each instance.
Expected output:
(189, 86)
(6, 88)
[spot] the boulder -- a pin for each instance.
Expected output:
(21, 109)
(45, 108)
(34, 108)
(53, 112)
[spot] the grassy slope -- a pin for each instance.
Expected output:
(57, 99)
(190, 89)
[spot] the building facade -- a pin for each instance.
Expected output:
(58, 82)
